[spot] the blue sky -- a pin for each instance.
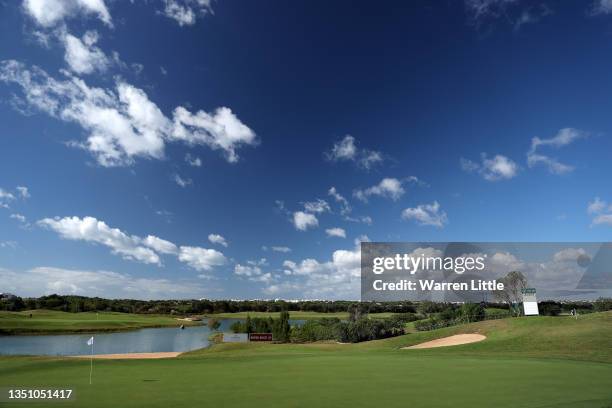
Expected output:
(187, 149)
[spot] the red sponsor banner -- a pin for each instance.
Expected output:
(260, 337)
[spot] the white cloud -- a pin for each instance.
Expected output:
(282, 249)
(8, 244)
(388, 187)
(597, 206)
(182, 182)
(5, 196)
(492, 169)
(47, 280)
(48, 13)
(336, 232)
(318, 206)
(514, 12)
(123, 124)
(160, 245)
(303, 221)
(253, 273)
(347, 150)
(338, 278)
(345, 206)
(601, 210)
(221, 130)
(82, 55)
(185, 12)
(426, 214)
(90, 229)
(193, 160)
(217, 239)
(132, 247)
(23, 192)
(201, 259)
(18, 217)
(601, 7)
(564, 137)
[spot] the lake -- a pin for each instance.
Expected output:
(136, 341)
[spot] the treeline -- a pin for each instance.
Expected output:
(359, 327)
(75, 304)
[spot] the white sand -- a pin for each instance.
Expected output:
(450, 341)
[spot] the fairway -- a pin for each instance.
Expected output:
(49, 322)
(514, 367)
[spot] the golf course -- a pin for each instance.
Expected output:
(523, 362)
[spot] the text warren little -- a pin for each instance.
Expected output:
(432, 285)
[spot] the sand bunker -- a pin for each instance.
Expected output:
(129, 356)
(449, 341)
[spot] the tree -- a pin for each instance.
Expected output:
(356, 311)
(514, 283)
(248, 324)
(472, 312)
(281, 332)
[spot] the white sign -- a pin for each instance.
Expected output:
(235, 337)
(530, 303)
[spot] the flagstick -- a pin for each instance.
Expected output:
(91, 362)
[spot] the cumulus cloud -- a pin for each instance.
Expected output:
(388, 188)
(336, 232)
(253, 273)
(347, 150)
(123, 124)
(339, 277)
(186, 12)
(47, 280)
(303, 221)
(217, 239)
(5, 196)
(201, 259)
(146, 250)
(426, 214)
(601, 212)
(49, 13)
(492, 169)
(564, 137)
(160, 245)
(92, 230)
(82, 55)
(221, 130)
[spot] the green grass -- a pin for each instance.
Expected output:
(50, 322)
(540, 362)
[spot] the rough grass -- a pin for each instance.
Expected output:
(55, 322)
